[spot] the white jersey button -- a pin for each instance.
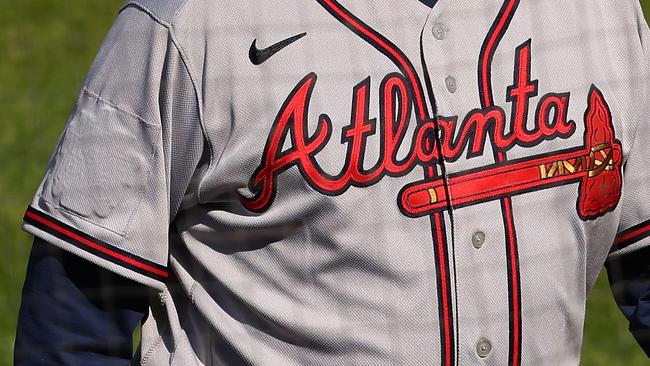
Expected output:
(478, 239)
(483, 348)
(450, 83)
(439, 31)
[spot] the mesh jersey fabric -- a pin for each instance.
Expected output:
(174, 131)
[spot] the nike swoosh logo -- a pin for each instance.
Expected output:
(258, 56)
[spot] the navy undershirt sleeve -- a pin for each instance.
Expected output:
(429, 3)
(75, 313)
(629, 278)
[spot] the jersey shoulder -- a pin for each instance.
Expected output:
(161, 10)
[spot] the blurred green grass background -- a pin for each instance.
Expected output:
(46, 47)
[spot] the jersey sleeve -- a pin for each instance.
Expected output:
(634, 225)
(126, 156)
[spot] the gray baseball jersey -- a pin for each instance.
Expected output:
(359, 182)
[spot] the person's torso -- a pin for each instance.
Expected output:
(326, 230)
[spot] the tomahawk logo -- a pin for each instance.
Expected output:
(596, 166)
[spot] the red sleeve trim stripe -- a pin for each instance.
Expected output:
(95, 246)
(631, 235)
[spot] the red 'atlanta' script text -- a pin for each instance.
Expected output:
(396, 103)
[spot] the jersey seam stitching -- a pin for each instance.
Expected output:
(158, 19)
(118, 108)
(65, 210)
(145, 10)
(193, 292)
(199, 97)
(149, 351)
(180, 7)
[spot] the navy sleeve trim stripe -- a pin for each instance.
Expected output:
(631, 235)
(94, 246)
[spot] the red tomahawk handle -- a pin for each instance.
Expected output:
(596, 166)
